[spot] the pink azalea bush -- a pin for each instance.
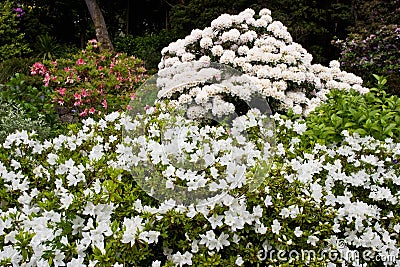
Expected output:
(86, 82)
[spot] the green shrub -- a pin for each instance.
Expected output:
(12, 43)
(13, 117)
(376, 52)
(9, 67)
(146, 47)
(375, 113)
(36, 102)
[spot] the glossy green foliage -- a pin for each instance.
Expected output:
(34, 101)
(376, 114)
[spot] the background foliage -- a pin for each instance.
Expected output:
(373, 43)
(51, 25)
(12, 42)
(147, 47)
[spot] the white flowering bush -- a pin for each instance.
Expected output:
(72, 201)
(262, 48)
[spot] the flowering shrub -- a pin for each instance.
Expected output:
(262, 48)
(375, 52)
(86, 82)
(71, 200)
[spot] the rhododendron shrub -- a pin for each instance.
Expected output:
(376, 52)
(92, 82)
(261, 47)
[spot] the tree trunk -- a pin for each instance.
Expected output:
(100, 25)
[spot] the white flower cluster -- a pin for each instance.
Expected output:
(374, 172)
(200, 87)
(352, 186)
(189, 154)
(263, 48)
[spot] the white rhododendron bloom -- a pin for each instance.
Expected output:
(263, 48)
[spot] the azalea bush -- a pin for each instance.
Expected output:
(72, 200)
(91, 82)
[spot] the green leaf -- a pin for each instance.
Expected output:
(361, 131)
(389, 128)
(362, 118)
(349, 124)
(336, 120)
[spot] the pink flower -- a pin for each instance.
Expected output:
(77, 96)
(93, 42)
(104, 103)
(61, 102)
(46, 79)
(84, 113)
(133, 96)
(92, 110)
(62, 91)
(128, 107)
(77, 103)
(100, 68)
(84, 93)
(38, 68)
(80, 62)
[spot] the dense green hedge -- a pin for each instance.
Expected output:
(146, 47)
